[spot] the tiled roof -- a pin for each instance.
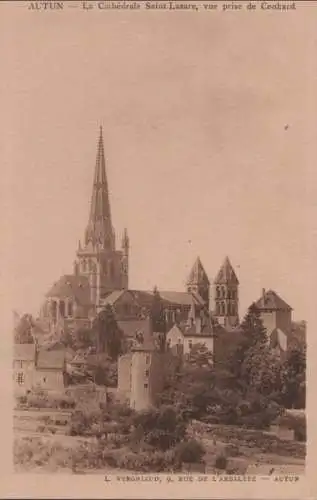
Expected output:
(271, 301)
(47, 360)
(181, 298)
(197, 274)
(226, 274)
(113, 297)
(195, 330)
(24, 352)
(144, 298)
(71, 286)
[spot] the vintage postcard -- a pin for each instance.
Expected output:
(158, 215)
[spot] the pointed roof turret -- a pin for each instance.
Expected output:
(226, 274)
(197, 274)
(125, 239)
(99, 229)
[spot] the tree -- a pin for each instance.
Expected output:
(294, 379)
(200, 356)
(157, 316)
(108, 334)
(192, 390)
(23, 330)
(261, 370)
(251, 347)
(203, 391)
(253, 328)
(83, 338)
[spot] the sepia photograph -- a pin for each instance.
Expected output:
(156, 200)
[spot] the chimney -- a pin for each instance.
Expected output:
(263, 295)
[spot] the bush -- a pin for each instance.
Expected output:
(161, 428)
(153, 461)
(117, 410)
(32, 452)
(300, 432)
(233, 450)
(190, 451)
(41, 399)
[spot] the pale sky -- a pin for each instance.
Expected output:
(199, 162)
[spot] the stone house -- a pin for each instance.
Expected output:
(24, 357)
(186, 337)
(35, 368)
(276, 315)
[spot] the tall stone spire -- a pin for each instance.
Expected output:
(226, 274)
(198, 281)
(99, 230)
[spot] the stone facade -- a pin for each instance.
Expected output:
(187, 338)
(141, 377)
(34, 368)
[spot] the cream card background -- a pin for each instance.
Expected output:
(193, 107)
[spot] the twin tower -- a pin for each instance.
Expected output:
(107, 269)
(222, 296)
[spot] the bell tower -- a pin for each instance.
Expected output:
(97, 258)
(198, 281)
(225, 305)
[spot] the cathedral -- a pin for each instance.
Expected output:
(100, 277)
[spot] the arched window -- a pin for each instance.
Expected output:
(217, 308)
(62, 308)
(54, 309)
(218, 292)
(223, 292)
(84, 266)
(222, 309)
(70, 309)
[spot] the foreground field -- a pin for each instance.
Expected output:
(42, 446)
